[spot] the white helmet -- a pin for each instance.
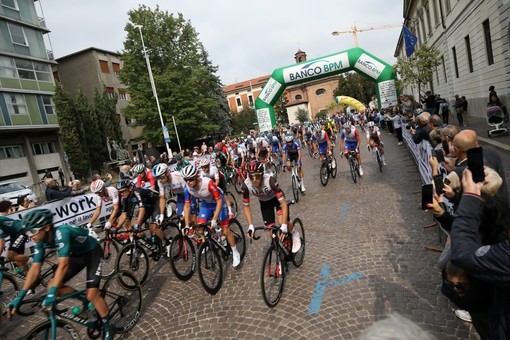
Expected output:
(96, 186)
(347, 125)
(371, 124)
(139, 168)
(289, 138)
(159, 170)
(205, 162)
(189, 172)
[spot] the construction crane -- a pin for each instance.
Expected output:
(354, 30)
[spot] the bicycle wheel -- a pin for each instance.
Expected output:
(238, 183)
(334, 164)
(210, 268)
(324, 174)
(379, 160)
(237, 230)
(352, 167)
(272, 276)
(182, 257)
(233, 203)
(295, 188)
(8, 291)
(310, 150)
(123, 295)
(44, 331)
(297, 258)
(135, 261)
(170, 229)
(110, 252)
(356, 164)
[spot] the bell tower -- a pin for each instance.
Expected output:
(300, 56)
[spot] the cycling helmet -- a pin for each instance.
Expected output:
(34, 220)
(139, 168)
(159, 170)
(347, 125)
(204, 162)
(96, 186)
(289, 138)
(124, 184)
(189, 172)
(371, 124)
(255, 166)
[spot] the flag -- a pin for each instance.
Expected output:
(410, 41)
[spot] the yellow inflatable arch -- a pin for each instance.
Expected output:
(351, 102)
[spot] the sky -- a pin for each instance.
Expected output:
(244, 39)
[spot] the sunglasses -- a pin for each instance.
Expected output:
(255, 176)
(461, 287)
(189, 179)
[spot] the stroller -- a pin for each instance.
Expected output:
(495, 118)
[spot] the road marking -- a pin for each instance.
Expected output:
(345, 211)
(324, 283)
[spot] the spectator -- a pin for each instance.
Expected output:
(423, 130)
(430, 102)
(396, 118)
(61, 176)
(125, 172)
(76, 188)
(47, 174)
(492, 92)
(25, 203)
(444, 108)
(52, 192)
(458, 110)
(465, 115)
(204, 148)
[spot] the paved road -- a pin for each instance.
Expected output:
(365, 258)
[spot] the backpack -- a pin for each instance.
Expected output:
(445, 109)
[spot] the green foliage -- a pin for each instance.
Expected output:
(105, 109)
(243, 121)
(356, 86)
(184, 78)
(302, 115)
(280, 110)
(321, 115)
(419, 68)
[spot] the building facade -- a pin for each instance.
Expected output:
(473, 38)
(92, 69)
(29, 139)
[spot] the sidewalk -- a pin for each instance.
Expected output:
(479, 124)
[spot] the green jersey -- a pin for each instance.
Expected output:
(69, 241)
(9, 227)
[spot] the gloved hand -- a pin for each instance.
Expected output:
(135, 227)
(16, 302)
(251, 228)
(185, 231)
(160, 218)
(89, 225)
(214, 223)
(107, 225)
(50, 298)
(283, 228)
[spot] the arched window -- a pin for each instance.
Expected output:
(298, 97)
(320, 91)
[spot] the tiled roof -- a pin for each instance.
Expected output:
(255, 82)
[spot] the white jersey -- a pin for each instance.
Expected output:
(176, 184)
(112, 196)
(213, 173)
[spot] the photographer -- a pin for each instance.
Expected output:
(422, 130)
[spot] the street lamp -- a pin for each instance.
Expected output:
(155, 93)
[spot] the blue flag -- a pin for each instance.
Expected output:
(410, 41)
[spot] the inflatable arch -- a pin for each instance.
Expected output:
(355, 59)
(350, 102)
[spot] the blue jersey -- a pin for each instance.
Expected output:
(293, 148)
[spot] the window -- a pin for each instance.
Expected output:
(43, 148)
(116, 68)
(435, 12)
(298, 97)
(455, 62)
(104, 66)
(444, 69)
(42, 71)
(469, 56)
(250, 100)
(24, 69)
(122, 94)
(16, 104)
(488, 41)
(48, 105)
(320, 92)
(238, 102)
(110, 92)
(7, 67)
(11, 151)
(17, 34)
(10, 3)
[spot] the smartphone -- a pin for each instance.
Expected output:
(439, 155)
(475, 164)
(427, 193)
(446, 147)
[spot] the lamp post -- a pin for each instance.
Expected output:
(155, 93)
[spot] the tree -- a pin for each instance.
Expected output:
(302, 115)
(280, 110)
(106, 113)
(419, 68)
(72, 132)
(184, 78)
(244, 120)
(356, 86)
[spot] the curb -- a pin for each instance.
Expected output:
(495, 144)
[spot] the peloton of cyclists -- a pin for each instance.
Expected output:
(350, 139)
(291, 152)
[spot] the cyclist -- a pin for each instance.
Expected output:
(171, 181)
(144, 177)
(263, 152)
(271, 197)
(147, 202)
(77, 248)
(219, 179)
(291, 152)
(221, 158)
(213, 207)
(323, 141)
(374, 139)
(104, 193)
(350, 139)
(14, 230)
(237, 155)
(181, 162)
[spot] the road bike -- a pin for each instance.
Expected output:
(353, 164)
(8, 290)
(378, 157)
(269, 167)
(275, 262)
(296, 182)
(328, 168)
(123, 296)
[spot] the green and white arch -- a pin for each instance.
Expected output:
(354, 59)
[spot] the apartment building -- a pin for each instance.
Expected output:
(29, 139)
(473, 38)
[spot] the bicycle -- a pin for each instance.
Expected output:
(239, 179)
(183, 258)
(270, 167)
(123, 296)
(296, 182)
(8, 290)
(353, 164)
(378, 157)
(328, 168)
(276, 259)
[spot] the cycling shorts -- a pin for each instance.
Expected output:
(276, 148)
(323, 147)
(91, 260)
(268, 208)
(206, 212)
(151, 213)
(293, 157)
(350, 146)
(375, 139)
(17, 242)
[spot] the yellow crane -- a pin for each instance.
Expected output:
(354, 30)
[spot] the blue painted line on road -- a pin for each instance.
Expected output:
(345, 211)
(324, 283)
